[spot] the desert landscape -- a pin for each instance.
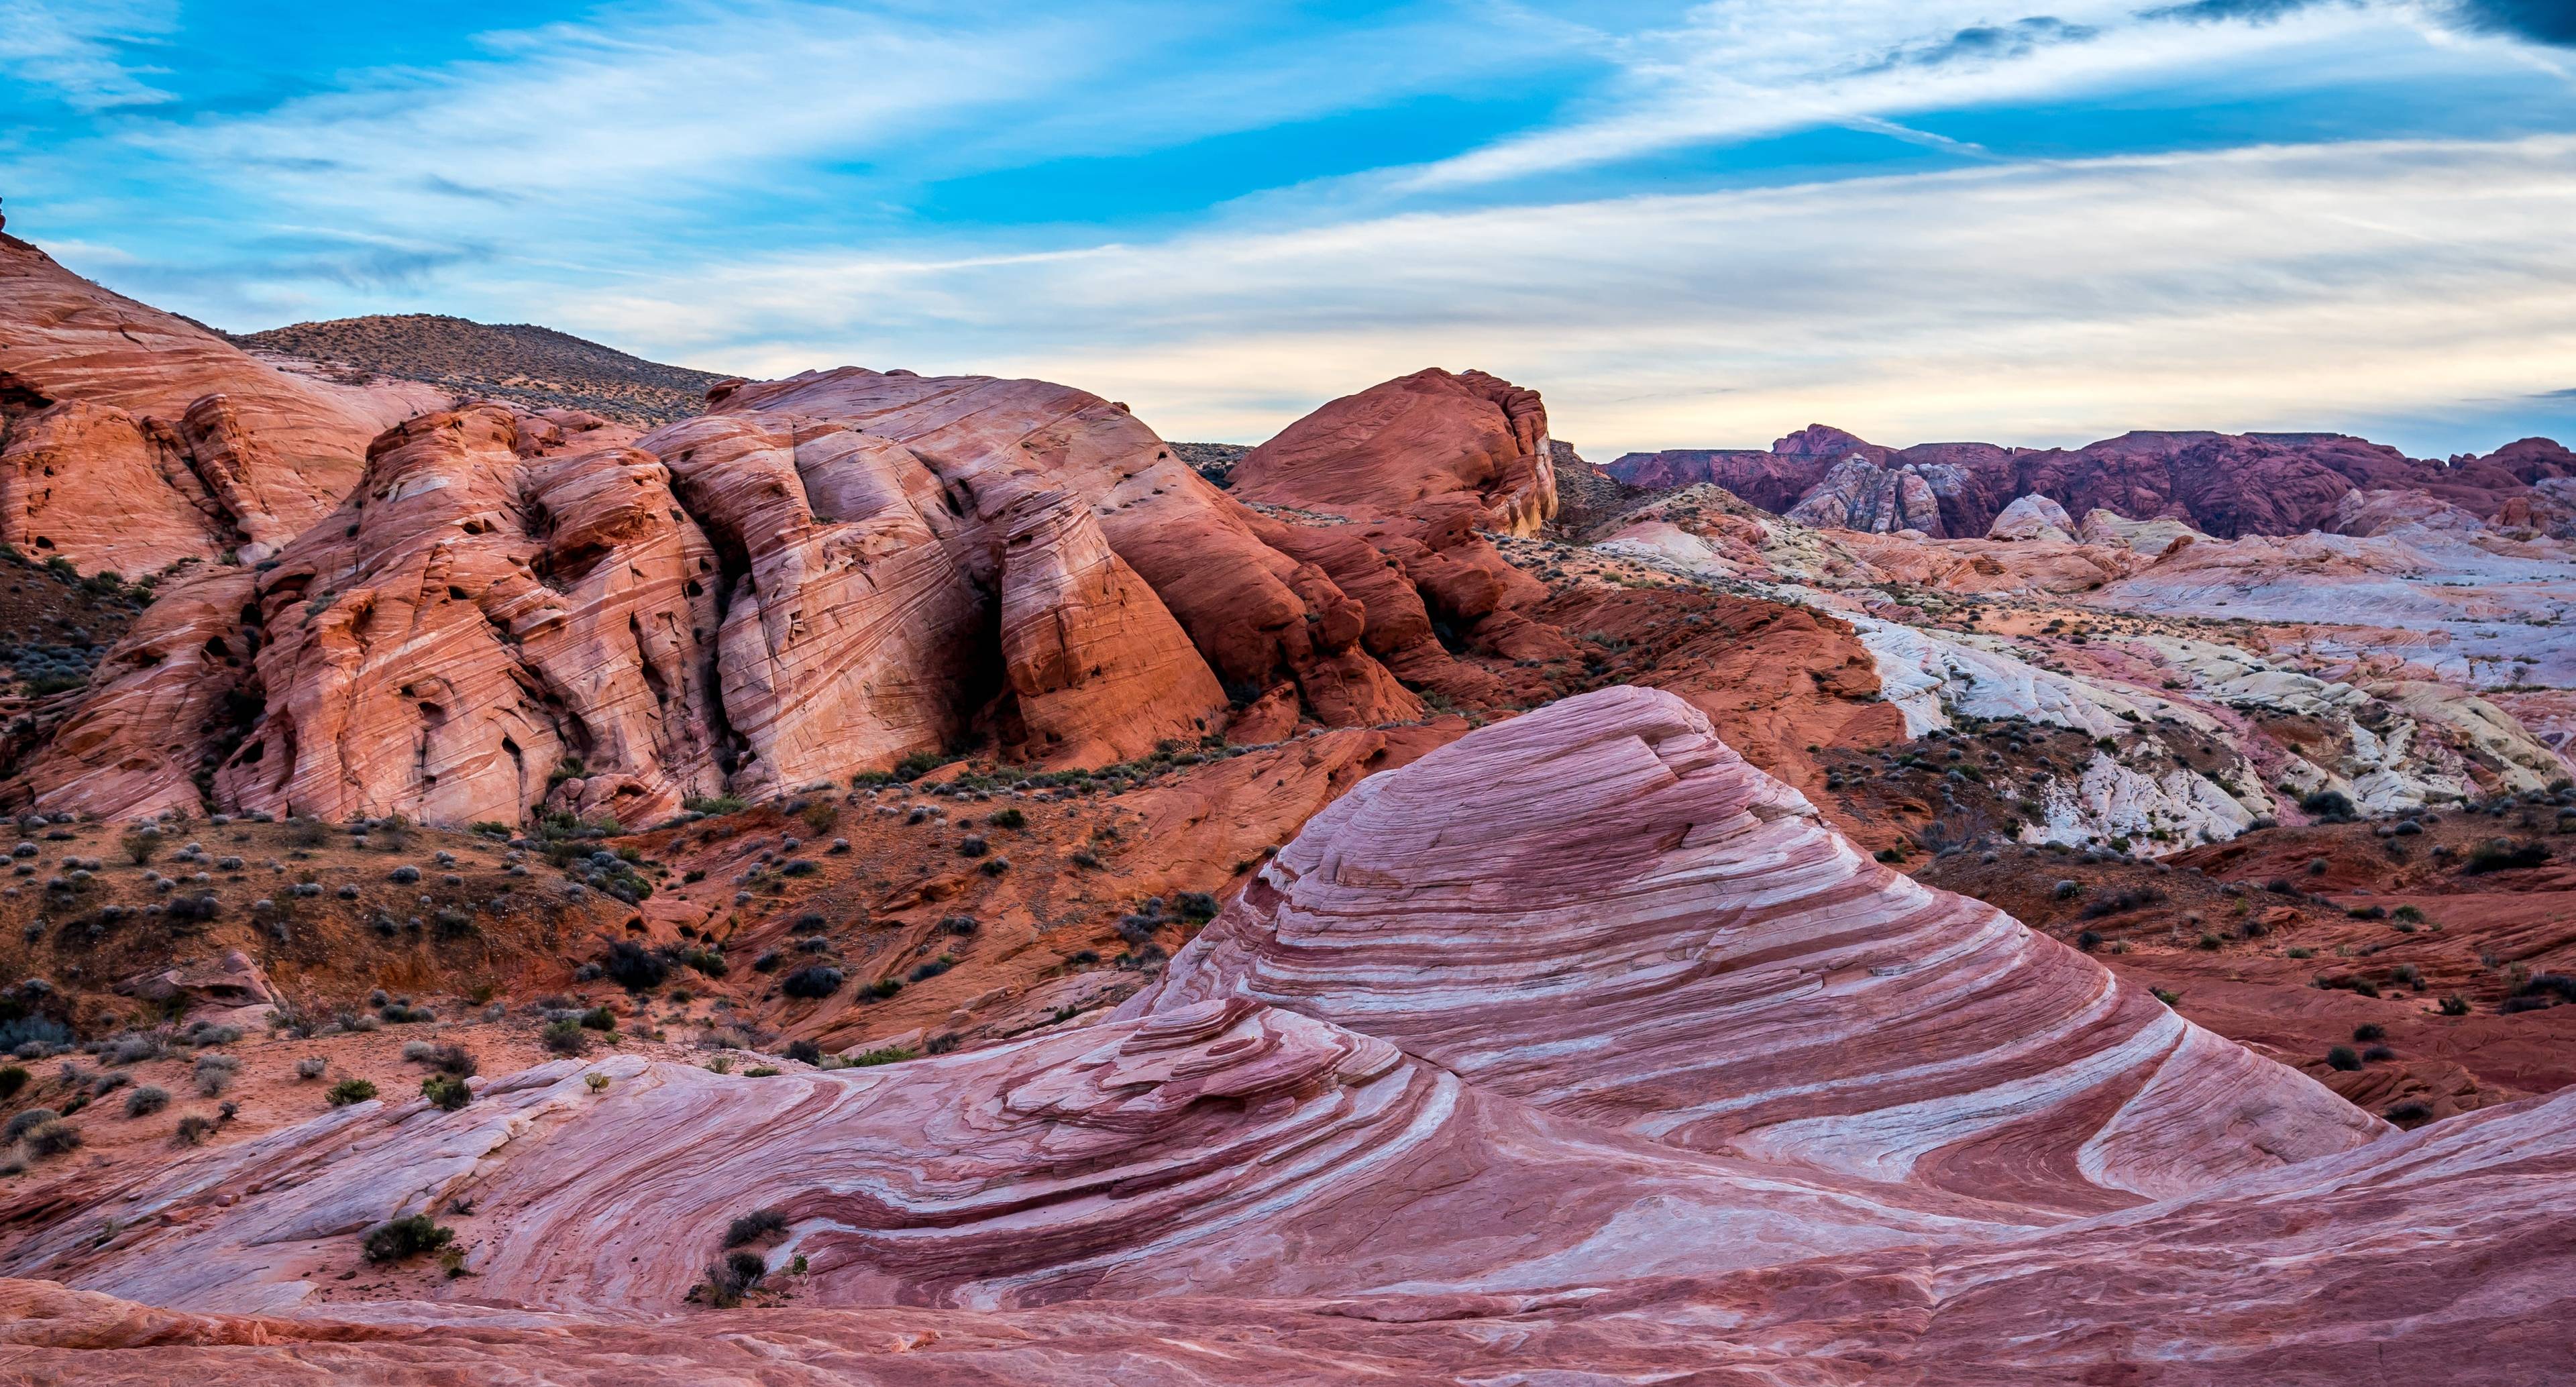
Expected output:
(878, 877)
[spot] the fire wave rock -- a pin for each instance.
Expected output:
(1223, 1147)
(1601, 909)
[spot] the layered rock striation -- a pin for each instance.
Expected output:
(1643, 931)
(131, 438)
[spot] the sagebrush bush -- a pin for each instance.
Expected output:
(395, 1239)
(566, 1037)
(145, 1101)
(311, 1067)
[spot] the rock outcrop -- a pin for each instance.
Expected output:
(2033, 517)
(1643, 931)
(2228, 485)
(1425, 436)
(520, 610)
(131, 438)
(1861, 495)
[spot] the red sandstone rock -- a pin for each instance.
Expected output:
(1419, 437)
(186, 446)
(135, 746)
(1256, 615)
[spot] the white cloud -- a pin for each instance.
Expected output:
(2309, 286)
(70, 48)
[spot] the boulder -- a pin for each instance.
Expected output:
(1420, 437)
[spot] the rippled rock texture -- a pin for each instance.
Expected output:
(515, 611)
(1644, 931)
(1577, 1046)
(131, 438)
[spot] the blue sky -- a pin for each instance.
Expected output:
(2041, 221)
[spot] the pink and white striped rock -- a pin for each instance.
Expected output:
(1601, 909)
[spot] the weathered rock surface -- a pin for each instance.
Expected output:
(1428, 435)
(169, 703)
(2225, 484)
(2033, 517)
(134, 437)
(1643, 931)
(1256, 616)
(1861, 495)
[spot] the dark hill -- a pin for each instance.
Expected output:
(518, 362)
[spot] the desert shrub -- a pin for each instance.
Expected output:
(2378, 1054)
(1007, 818)
(51, 1138)
(733, 1274)
(311, 1067)
(2133, 899)
(12, 1078)
(1197, 905)
(2501, 857)
(452, 1059)
(2331, 805)
(882, 988)
(2087, 940)
(2559, 985)
(23, 1123)
(805, 1052)
(933, 968)
(819, 816)
(799, 867)
(995, 866)
(767, 962)
(2342, 1057)
(193, 1130)
(203, 1035)
(349, 1091)
(566, 1037)
(754, 1226)
(446, 1092)
(763, 1071)
(2455, 1005)
(395, 1239)
(145, 1101)
(714, 804)
(891, 1054)
(634, 967)
(598, 1019)
(2411, 1114)
(2369, 1031)
(214, 1074)
(812, 981)
(2067, 890)
(141, 845)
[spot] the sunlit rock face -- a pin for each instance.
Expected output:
(1428, 435)
(131, 438)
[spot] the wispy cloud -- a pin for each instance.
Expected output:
(78, 50)
(2268, 288)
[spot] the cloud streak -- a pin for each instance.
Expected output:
(2269, 288)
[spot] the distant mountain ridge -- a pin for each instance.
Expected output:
(2225, 484)
(517, 362)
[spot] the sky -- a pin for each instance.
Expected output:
(1687, 225)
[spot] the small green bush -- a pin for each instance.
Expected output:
(566, 1037)
(395, 1239)
(446, 1092)
(349, 1091)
